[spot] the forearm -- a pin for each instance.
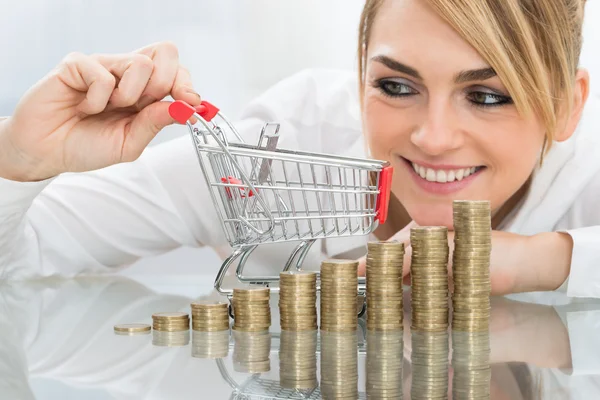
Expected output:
(543, 262)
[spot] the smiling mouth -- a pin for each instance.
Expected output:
(446, 175)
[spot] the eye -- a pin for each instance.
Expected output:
(486, 99)
(394, 88)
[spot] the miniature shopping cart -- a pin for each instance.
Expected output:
(264, 194)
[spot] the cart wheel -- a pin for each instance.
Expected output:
(363, 309)
(230, 308)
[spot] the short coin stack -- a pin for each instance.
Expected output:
(210, 344)
(385, 361)
(471, 265)
(298, 360)
(339, 285)
(471, 365)
(429, 275)
(339, 365)
(429, 361)
(132, 329)
(298, 300)
(209, 316)
(385, 309)
(170, 321)
(251, 309)
(251, 352)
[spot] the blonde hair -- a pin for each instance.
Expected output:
(533, 45)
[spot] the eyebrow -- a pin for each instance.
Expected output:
(481, 74)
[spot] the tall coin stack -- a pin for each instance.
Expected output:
(339, 285)
(429, 362)
(298, 300)
(209, 316)
(170, 322)
(210, 344)
(298, 360)
(251, 309)
(385, 309)
(429, 278)
(471, 365)
(471, 265)
(385, 361)
(339, 365)
(251, 352)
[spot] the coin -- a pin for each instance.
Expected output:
(338, 297)
(132, 329)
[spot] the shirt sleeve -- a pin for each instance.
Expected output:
(102, 220)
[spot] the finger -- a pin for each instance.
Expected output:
(144, 127)
(183, 88)
(84, 74)
(165, 58)
(133, 72)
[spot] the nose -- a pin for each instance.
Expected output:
(439, 131)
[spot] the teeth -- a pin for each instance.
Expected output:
(443, 176)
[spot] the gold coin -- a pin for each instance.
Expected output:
(132, 328)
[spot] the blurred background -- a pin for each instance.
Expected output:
(235, 49)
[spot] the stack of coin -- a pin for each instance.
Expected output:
(251, 352)
(209, 316)
(170, 321)
(429, 361)
(385, 359)
(298, 360)
(210, 344)
(471, 364)
(471, 266)
(170, 338)
(251, 309)
(339, 365)
(429, 278)
(385, 309)
(339, 285)
(298, 300)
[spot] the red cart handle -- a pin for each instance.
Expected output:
(181, 111)
(383, 200)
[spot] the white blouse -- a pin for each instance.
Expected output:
(101, 220)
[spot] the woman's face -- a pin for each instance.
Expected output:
(437, 111)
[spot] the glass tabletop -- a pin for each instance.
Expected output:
(57, 342)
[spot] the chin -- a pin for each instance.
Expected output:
(427, 215)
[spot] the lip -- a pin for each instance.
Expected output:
(437, 187)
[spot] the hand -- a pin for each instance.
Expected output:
(92, 111)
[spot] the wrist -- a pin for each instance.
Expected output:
(11, 161)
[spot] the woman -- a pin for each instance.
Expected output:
(468, 100)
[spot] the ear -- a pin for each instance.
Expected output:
(581, 90)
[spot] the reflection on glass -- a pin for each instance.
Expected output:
(210, 344)
(251, 351)
(339, 365)
(429, 365)
(170, 339)
(385, 358)
(298, 360)
(471, 364)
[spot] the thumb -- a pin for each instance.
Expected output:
(146, 124)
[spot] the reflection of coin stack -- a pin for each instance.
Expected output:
(251, 352)
(429, 275)
(385, 358)
(429, 365)
(210, 344)
(471, 364)
(251, 310)
(209, 316)
(471, 266)
(170, 339)
(384, 286)
(298, 300)
(339, 283)
(170, 322)
(298, 360)
(339, 365)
